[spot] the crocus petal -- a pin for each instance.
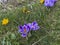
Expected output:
(27, 28)
(29, 25)
(34, 23)
(35, 28)
(52, 4)
(23, 35)
(20, 29)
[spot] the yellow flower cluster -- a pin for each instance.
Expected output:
(41, 1)
(5, 21)
(24, 10)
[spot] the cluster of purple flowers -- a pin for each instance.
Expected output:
(26, 28)
(49, 3)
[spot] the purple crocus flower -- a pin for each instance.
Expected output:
(33, 25)
(49, 3)
(24, 30)
(30, 25)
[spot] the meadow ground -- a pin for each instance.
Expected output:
(47, 18)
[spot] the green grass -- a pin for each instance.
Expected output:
(47, 18)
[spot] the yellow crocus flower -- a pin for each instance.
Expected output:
(5, 21)
(41, 1)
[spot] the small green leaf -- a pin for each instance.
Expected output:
(13, 36)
